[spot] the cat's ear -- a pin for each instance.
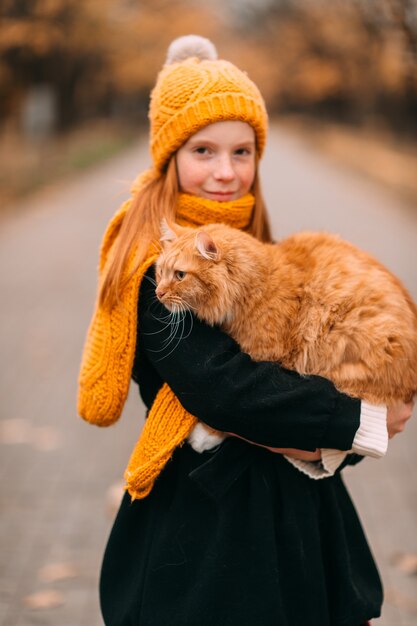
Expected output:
(206, 246)
(167, 234)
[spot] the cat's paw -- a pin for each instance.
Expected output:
(201, 439)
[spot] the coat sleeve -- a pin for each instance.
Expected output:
(223, 387)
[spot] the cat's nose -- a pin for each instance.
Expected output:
(160, 294)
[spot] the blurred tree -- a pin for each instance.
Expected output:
(353, 60)
(138, 53)
(54, 42)
(100, 56)
(404, 14)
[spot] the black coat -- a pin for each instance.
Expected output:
(237, 536)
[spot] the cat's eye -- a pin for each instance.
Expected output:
(179, 274)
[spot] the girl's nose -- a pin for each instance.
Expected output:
(224, 169)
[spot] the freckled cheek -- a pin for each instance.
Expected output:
(192, 180)
(246, 175)
(191, 174)
(246, 180)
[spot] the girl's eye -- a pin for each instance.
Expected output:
(179, 274)
(201, 150)
(242, 151)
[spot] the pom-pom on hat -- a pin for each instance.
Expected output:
(194, 89)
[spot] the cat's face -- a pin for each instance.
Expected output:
(191, 274)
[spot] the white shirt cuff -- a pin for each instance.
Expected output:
(371, 438)
(330, 461)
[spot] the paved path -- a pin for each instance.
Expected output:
(57, 471)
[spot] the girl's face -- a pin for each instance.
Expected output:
(218, 162)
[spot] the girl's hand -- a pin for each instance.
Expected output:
(301, 455)
(294, 453)
(397, 416)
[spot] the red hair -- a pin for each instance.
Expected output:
(141, 227)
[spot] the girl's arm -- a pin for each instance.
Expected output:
(222, 386)
(230, 392)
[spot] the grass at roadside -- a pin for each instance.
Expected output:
(27, 166)
(372, 152)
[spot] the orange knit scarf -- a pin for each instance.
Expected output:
(110, 348)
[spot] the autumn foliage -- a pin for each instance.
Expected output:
(101, 56)
(347, 60)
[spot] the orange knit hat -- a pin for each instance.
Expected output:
(195, 89)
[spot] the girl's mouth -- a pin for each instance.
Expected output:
(220, 195)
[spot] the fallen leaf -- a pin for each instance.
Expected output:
(48, 599)
(46, 438)
(401, 600)
(57, 571)
(406, 562)
(16, 430)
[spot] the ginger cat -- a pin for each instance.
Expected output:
(312, 302)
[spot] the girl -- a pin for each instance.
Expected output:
(235, 535)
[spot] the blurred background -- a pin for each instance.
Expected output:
(340, 81)
(75, 76)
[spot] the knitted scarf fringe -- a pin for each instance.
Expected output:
(110, 349)
(167, 426)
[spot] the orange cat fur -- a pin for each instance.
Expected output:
(312, 302)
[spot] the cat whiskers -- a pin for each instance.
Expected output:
(176, 321)
(151, 280)
(165, 320)
(187, 308)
